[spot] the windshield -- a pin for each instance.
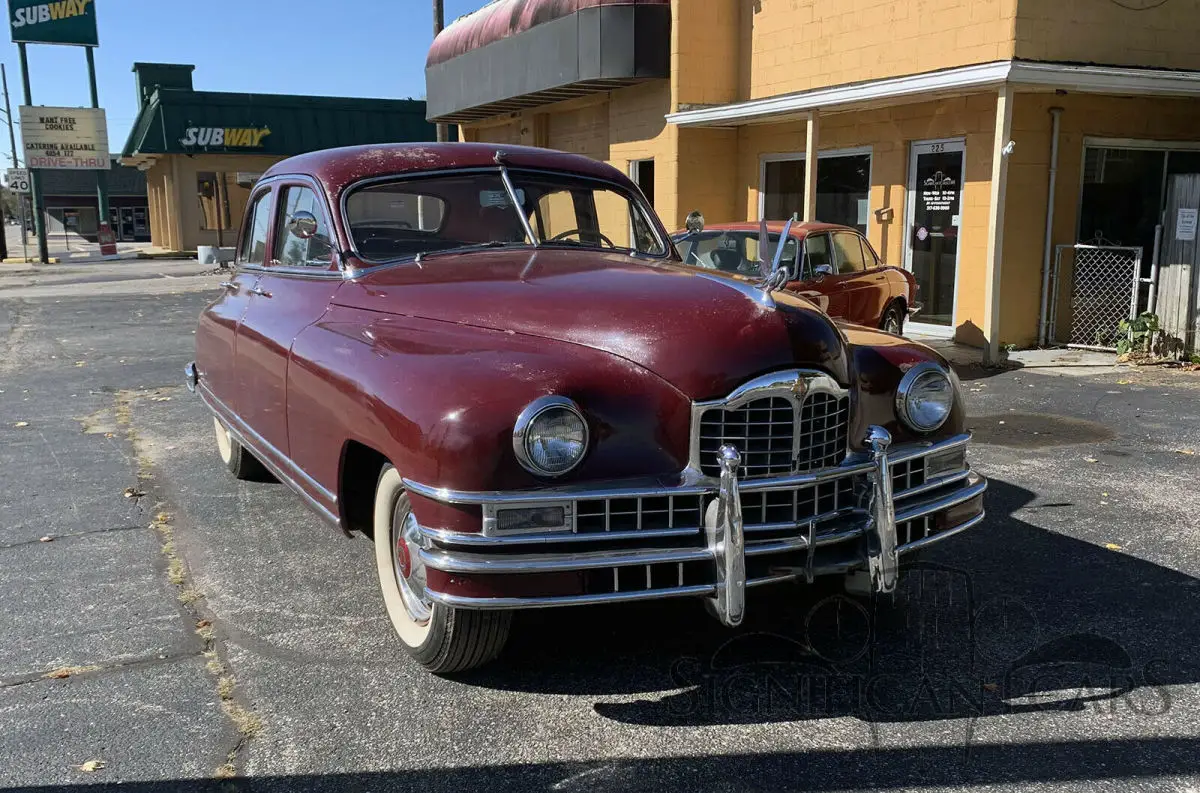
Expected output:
(394, 219)
(730, 251)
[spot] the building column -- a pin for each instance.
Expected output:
(173, 221)
(995, 248)
(810, 167)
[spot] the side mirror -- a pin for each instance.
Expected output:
(822, 270)
(303, 225)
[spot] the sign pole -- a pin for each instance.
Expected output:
(35, 181)
(101, 176)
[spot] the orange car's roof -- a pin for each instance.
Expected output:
(799, 230)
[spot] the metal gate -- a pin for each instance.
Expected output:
(1095, 287)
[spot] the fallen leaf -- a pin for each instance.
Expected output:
(1112, 546)
(1123, 382)
(991, 687)
(203, 623)
(81, 363)
(1090, 460)
(91, 766)
(21, 424)
(133, 492)
(47, 538)
(1104, 494)
(1184, 451)
(109, 435)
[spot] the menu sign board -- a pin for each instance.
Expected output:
(70, 138)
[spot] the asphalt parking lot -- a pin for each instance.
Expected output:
(164, 625)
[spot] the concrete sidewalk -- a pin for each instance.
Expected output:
(1056, 358)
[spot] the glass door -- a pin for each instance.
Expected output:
(935, 182)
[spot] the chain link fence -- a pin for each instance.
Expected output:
(1095, 287)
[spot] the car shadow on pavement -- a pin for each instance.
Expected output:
(1008, 618)
(1071, 763)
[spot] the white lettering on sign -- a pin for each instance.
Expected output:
(49, 12)
(1185, 225)
(229, 137)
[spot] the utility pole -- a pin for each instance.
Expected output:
(12, 135)
(101, 176)
(35, 176)
(439, 22)
(12, 141)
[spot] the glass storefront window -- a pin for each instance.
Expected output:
(843, 189)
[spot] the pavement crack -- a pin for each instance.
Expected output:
(64, 673)
(69, 536)
(192, 603)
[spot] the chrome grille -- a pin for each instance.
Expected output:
(652, 513)
(770, 509)
(908, 474)
(824, 430)
(762, 430)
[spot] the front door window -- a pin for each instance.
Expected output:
(931, 248)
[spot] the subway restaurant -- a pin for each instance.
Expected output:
(202, 151)
(985, 145)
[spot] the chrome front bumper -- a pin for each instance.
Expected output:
(724, 554)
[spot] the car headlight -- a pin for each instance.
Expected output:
(550, 436)
(925, 397)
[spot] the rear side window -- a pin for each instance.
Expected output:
(254, 246)
(849, 253)
(292, 249)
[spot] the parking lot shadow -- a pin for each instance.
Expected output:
(817, 770)
(1007, 618)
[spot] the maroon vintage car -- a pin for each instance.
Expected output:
(494, 363)
(838, 268)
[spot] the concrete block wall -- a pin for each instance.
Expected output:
(804, 44)
(1145, 33)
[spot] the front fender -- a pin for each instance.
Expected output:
(439, 401)
(878, 362)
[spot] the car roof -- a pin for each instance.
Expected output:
(337, 168)
(799, 230)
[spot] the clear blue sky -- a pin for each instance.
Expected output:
(372, 48)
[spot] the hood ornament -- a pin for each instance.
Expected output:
(773, 276)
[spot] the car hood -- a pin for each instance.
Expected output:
(701, 331)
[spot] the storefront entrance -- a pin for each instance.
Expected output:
(935, 180)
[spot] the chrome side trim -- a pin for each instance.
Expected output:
(490, 540)
(192, 376)
(257, 444)
(689, 483)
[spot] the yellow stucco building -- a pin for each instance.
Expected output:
(936, 124)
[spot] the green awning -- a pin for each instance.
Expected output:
(179, 121)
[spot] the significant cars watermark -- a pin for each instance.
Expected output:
(932, 652)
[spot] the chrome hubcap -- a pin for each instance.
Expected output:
(893, 325)
(410, 570)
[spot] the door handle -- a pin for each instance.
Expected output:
(258, 290)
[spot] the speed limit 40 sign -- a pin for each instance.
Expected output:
(18, 179)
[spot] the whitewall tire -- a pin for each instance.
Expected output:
(440, 638)
(241, 463)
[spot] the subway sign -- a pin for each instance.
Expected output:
(224, 137)
(54, 22)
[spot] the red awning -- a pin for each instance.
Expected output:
(503, 18)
